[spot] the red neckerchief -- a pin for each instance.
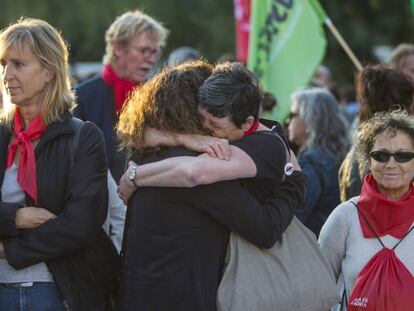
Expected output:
(26, 174)
(385, 216)
(252, 129)
(121, 87)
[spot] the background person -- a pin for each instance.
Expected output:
(133, 45)
(378, 89)
(386, 143)
(183, 54)
(318, 127)
(54, 252)
(268, 103)
(115, 221)
(402, 59)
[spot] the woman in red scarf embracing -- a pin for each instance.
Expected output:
(54, 254)
(368, 239)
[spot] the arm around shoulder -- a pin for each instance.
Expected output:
(204, 169)
(190, 171)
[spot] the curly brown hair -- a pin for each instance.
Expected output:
(380, 88)
(166, 102)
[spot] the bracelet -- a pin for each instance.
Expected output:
(132, 173)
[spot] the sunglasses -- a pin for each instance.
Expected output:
(384, 156)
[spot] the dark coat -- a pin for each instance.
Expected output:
(74, 247)
(96, 103)
(322, 193)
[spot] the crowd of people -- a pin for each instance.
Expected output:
(121, 193)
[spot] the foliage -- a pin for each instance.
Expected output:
(364, 25)
(209, 25)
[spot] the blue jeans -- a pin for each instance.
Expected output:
(39, 297)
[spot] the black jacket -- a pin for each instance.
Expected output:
(96, 103)
(75, 248)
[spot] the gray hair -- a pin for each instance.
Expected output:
(183, 54)
(126, 26)
(399, 55)
(328, 128)
(380, 123)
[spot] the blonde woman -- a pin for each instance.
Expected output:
(54, 254)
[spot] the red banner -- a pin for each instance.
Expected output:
(242, 17)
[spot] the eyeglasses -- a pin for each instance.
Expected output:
(384, 156)
(147, 52)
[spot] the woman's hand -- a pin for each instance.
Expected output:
(213, 146)
(32, 217)
(126, 186)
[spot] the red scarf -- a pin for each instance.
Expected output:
(252, 129)
(26, 174)
(121, 87)
(385, 216)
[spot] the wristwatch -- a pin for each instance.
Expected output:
(132, 173)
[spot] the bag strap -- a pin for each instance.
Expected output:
(403, 237)
(344, 299)
(286, 147)
(77, 125)
(373, 231)
(369, 225)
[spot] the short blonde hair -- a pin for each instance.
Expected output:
(399, 55)
(48, 46)
(126, 26)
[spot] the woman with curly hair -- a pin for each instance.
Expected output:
(379, 88)
(165, 104)
(368, 239)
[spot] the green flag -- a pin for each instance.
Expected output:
(287, 44)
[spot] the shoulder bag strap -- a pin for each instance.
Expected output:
(369, 225)
(286, 147)
(344, 299)
(403, 237)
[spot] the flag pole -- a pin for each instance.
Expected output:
(343, 44)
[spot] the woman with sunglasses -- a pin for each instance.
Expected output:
(377, 223)
(378, 88)
(320, 130)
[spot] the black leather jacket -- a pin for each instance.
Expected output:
(75, 248)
